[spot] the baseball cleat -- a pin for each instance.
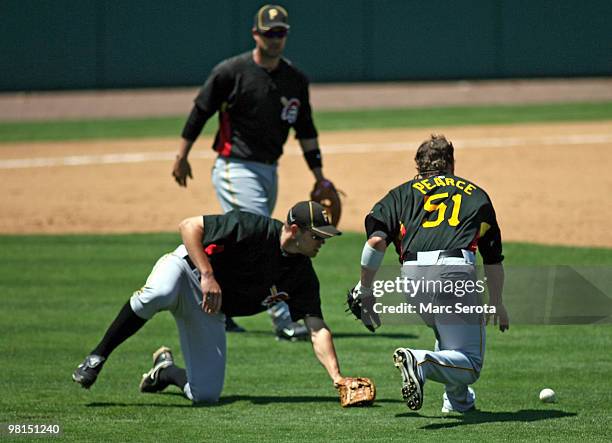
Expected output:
(412, 387)
(446, 410)
(293, 332)
(162, 358)
(87, 372)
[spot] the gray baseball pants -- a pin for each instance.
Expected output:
(458, 355)
(245, 185)
(173, 286)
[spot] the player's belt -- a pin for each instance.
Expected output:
(189, 262)
(265, 161)
(412, 256)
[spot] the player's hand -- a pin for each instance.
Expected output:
(369, 317)
(338, 380)
(181, 170)
(500, 317)
(360, 301)
(211, 294)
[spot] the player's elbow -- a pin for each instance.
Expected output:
(378, 242)
(190, 224)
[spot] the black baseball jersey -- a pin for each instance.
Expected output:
(252, 270)
(256, 108)
(438, 213)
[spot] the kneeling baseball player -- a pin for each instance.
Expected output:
(234, 264)
(436, 222)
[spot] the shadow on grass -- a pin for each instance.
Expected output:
(337, 335)
(228, 400)
(268, 399)
(392, 335)
(478, 417)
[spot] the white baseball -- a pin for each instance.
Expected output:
(548, 395)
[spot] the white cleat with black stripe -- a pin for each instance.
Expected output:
(412, 386)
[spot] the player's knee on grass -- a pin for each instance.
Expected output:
(202, 396)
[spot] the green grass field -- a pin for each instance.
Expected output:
(326, 121)
(59, 293)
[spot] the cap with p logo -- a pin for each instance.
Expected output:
(271, 16)
(312, 216)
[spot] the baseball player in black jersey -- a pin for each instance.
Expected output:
(436, 223)
(234, 264)
(258, 96)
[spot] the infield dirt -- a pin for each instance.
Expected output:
(550, 183)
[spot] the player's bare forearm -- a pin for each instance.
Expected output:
(367, 277)
(309, 144)
(185, 147)
(495, 282)
(192, 233)
(312, 144)
(323, 347)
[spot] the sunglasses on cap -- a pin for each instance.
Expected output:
(275, 33)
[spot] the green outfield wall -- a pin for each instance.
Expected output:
(70, 44)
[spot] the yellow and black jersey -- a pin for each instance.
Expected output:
(438, 213)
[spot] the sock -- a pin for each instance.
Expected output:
(173, 375)
(124, 326)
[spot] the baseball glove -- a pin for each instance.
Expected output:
(360, 302)
(356, 391)
(324, 192)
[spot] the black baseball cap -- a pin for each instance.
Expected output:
(271, 16)
(312, 216)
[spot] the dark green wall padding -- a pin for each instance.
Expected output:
(89, 44)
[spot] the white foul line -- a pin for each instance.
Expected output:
(344, 148)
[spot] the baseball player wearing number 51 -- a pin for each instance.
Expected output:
(233, 264)
(436, 222)
(259, 96)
